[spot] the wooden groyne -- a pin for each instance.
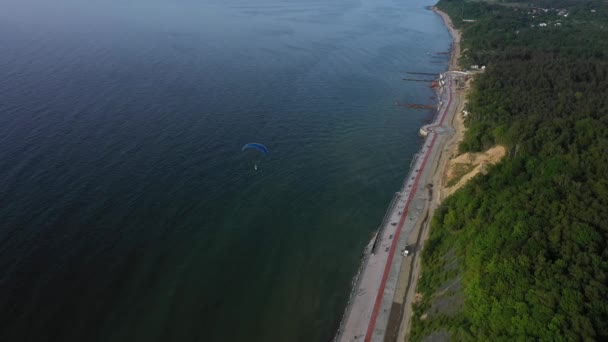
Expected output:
(417, 80)
(422, 73)
(420, 106)
(414, 105)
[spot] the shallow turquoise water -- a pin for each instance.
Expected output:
(128, 211)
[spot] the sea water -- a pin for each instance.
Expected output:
(128, 211)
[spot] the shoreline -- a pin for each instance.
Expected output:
(448, 148)
(380, 302)
(456, 36)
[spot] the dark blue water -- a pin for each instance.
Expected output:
(128, 212)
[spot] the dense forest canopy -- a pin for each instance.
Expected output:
(530, 236)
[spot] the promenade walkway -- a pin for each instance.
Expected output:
(369, 308)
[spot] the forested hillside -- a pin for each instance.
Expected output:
(530, 236)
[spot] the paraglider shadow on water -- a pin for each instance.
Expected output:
(263, 151)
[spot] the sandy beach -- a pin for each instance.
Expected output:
(455, 52)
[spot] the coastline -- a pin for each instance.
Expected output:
(457, 122)
(449, 148)
(456, 36)
(380, 304)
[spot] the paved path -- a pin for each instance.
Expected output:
(369, 308)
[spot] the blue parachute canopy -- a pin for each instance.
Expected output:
(256, 146)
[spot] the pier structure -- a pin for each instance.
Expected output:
(373, 295)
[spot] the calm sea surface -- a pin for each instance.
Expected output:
(128, 211)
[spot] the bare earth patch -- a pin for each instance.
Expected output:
(468, 165)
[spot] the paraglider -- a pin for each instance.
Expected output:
(258, 147)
